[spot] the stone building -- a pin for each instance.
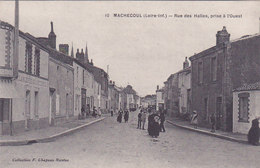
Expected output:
(159, 99)
(130, 101)
(171, 95)
(23, 99)
(184, 85)
(61, 76)
(215, 73)
(245, 107)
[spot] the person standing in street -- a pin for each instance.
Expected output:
(139, 119)
(143, 118)
(162, 118)
(126, 115)
(83, 112)
(156, 126)
(213, 122)
(194, 119)
(253, 134)
(111, 111)
(150, 122)
(99, 112)
(119, 117)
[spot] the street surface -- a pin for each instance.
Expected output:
(120, 145)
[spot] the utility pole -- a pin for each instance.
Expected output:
(15, 57)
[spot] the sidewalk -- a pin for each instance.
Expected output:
(47, 134)
(234, 137)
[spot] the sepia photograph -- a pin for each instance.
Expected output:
(129, 84)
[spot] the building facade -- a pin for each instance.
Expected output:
(171, 95)
(184, 85)
(246, 107)
(61, 86)
(215, 74)
(159, 99)
(25, 108)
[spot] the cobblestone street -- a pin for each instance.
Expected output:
(111, 144)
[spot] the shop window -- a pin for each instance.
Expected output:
(243, 107)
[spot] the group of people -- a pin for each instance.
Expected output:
(253, 133)
(96, 112)
(122, 113)
(155, 122)
(86, 111)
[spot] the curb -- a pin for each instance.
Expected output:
(209, 133)
(47, 139)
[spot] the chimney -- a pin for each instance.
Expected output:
(77, 54)
(64, 48)
(52, 38)
(259, 25)
(72, 51)
(114, 83)
(222, 36)
(157, 87)
(185, 63)
(91, 62)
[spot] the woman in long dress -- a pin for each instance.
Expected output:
(194, 119)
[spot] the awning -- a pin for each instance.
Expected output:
(7, 90)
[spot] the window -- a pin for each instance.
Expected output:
(28, 58)
(4, 109)
(214, 69)
(36, 105)
(57, 104)
(243, 107)
(37, 62)
(200, 72)
(83, 76)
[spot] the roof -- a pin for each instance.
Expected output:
(129, 90)
(245, 37)
(248, 87)
(187, 70)
(218, 47)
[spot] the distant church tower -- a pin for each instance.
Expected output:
(52, 38)
(86, 60)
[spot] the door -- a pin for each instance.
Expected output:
(67, 105)
(219, 114)
(50, 110)
(27, 109)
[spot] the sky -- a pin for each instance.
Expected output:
(142, 52)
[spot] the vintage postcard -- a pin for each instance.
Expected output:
(129, 84)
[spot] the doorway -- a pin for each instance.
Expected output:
(27, 109)
(218, 112)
